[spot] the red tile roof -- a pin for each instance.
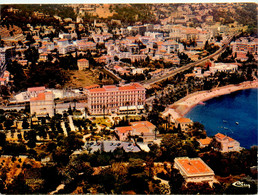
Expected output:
(132, 86)
(205, 141)
(126, 88)
(36, 89)
(194, 166)
(97, 90)
(40, 97)
(184, 120)
(82, 60)
(220, 136)
(124, 129)
(92, 87)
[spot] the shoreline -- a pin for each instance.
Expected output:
(186, 104)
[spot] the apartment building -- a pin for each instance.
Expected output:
(109, 98)
(244, 45)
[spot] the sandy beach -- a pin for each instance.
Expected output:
(185, 104)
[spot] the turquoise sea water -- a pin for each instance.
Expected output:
(220, 114)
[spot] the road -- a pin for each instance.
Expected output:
(148, 83)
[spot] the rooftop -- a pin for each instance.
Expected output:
(205, 141)
(222, 136)
(124, 129)
(40, 97)
(131, 86)
(192, 166)
(82, 60)
(36, 89)
(184, 120)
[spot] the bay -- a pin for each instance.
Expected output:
(233, 114)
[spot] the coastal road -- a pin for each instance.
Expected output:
(172, 73)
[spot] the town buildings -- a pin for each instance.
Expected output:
(43, 104)
(227, 144)
(194, 170)
(109, 98)
(243, 46)
(6, 54)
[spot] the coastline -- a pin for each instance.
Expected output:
(184, 105)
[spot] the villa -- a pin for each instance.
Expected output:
(143, 129)
(227, 143)
(184, 123)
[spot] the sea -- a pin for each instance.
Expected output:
(234, 115)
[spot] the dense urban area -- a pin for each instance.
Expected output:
(93, 97)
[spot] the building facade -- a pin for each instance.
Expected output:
(184, 123)
(83, 64)
(43, 104)
(227, 143)
(110, 98)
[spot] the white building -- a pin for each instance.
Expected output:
(227, 143)
(223, 67)
(43, 104)
(34, 91)
(110, 98)
(82, 64)
(137, 71)
(185, 123)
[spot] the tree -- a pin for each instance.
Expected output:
(25, 124)
(2, 139)
(18, 185)
(197, 188)
(8, 123)
(137, 176)
(172, 146)
(215, 144)
(176, 181)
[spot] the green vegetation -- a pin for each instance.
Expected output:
(134, 12)
(112, 172)
(60, 10)
(43, 74)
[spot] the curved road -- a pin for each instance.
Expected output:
(147, 83)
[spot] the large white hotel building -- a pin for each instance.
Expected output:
(114, 99)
